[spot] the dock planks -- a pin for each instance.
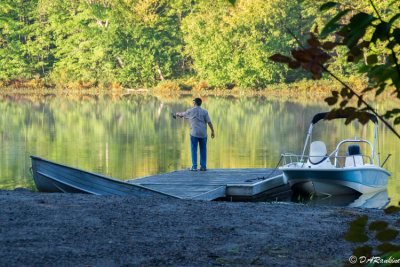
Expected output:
(214, 183)
(51, 176)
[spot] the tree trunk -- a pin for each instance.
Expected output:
(99, 23)
(120, 62)
(365, 56)
(384, 58)
(159, 71)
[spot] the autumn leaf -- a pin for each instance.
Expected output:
(329, 45)
(301, 56)
(331, 100)
(280, 58)
(294, 64)
(313, 41)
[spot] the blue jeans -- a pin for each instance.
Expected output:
(203, 151)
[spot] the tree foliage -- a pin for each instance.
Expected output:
(230, 45)
(371, 39)
(130, 42)
(138, 43)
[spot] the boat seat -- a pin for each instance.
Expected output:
(354, 157)
(317, 153)
(353, 150)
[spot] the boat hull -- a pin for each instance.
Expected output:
(337, 181)
(54, 177)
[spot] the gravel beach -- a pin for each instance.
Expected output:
(42, 229)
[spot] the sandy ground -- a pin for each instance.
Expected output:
(42, 229)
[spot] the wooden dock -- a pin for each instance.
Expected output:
(215, 183)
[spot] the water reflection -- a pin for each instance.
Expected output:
(377, 200)
(128, 136)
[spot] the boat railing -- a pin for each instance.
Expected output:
(339, 161)
(356, 140)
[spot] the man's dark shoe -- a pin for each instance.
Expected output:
(203, 169)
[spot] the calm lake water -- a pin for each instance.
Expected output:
(130, 136)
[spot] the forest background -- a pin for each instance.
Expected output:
(181, 44)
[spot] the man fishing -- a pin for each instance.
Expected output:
(198, 132)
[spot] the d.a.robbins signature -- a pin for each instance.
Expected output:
(362, 259)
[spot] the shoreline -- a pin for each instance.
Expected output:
(77, 229)
(293, 92)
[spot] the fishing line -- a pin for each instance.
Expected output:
(269, 176)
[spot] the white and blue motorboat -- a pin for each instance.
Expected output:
(320, 173)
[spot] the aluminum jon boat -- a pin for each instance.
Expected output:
(322, 174)
(55, 177)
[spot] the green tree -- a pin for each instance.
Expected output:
(81, 35)
(14, 22)
(151, 46)
(142, 42)
(135, 43)
(230, 46)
